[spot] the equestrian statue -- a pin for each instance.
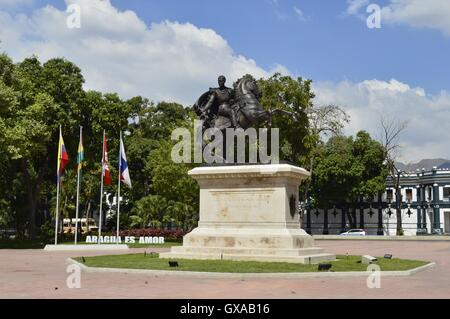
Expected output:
(236, 107)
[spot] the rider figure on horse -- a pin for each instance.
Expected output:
(239, 107)
(223, 96)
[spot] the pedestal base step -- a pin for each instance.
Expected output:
(248, 251)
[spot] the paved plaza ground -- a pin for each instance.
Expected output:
(40, 274)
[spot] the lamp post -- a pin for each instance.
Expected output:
(389, 200)
(399, 199)
(436, 229)
(380, 230)
(304, 208)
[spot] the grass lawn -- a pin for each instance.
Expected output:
(139, 261)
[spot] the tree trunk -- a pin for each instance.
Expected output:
(32, 194)
(32, 200)
(32, 212)
(399, 222)
(351, 217)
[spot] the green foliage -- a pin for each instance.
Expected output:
(47, 234)
(5, 218)
(165, 195)
(293, 95)
(35, 99)
(348, 170)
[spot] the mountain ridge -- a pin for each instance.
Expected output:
(428, 164)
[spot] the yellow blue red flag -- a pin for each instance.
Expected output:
(63, 157)
(80, 155)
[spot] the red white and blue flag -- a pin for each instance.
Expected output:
(123, 166)
(105, 167)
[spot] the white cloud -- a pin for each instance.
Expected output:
(427, 133)
(300, 15)
(118, 52)
(354, 6)
(434, 14)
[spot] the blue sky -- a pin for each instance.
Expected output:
(326, 45)
(174, 50)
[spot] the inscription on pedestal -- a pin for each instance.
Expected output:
(249, 205)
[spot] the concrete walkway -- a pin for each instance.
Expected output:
(39, 274)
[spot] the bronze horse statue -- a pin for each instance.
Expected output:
(245, 103)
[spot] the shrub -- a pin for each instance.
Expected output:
(47, 232)
(168, 234)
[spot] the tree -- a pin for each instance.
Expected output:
(35, 99)
(153, 124)
(391, 129)
(165, 194)
(44, 97)
(324, 121)
(8, 178)
(295, 96)
(348, 170)
(173, 196)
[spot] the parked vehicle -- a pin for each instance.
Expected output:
(69, 225)
(354, 232)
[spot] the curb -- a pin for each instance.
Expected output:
(91, 247)
(195, 274)
(383, 238)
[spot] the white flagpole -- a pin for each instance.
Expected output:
(101, 191)
(57, 212)
(78, 191)
(118, 187)
(57, 188)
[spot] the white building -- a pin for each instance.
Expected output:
(424, 203)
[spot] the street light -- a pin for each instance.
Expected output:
(303, 206)
(389, 199)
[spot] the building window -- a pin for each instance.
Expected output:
(446, 192)
(409, 195)
(429, 194)
(389, 195)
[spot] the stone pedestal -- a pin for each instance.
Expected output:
(249, 212)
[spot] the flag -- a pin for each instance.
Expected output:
(80, 154)
(123, 166)
(63, 157)
(105, 168)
